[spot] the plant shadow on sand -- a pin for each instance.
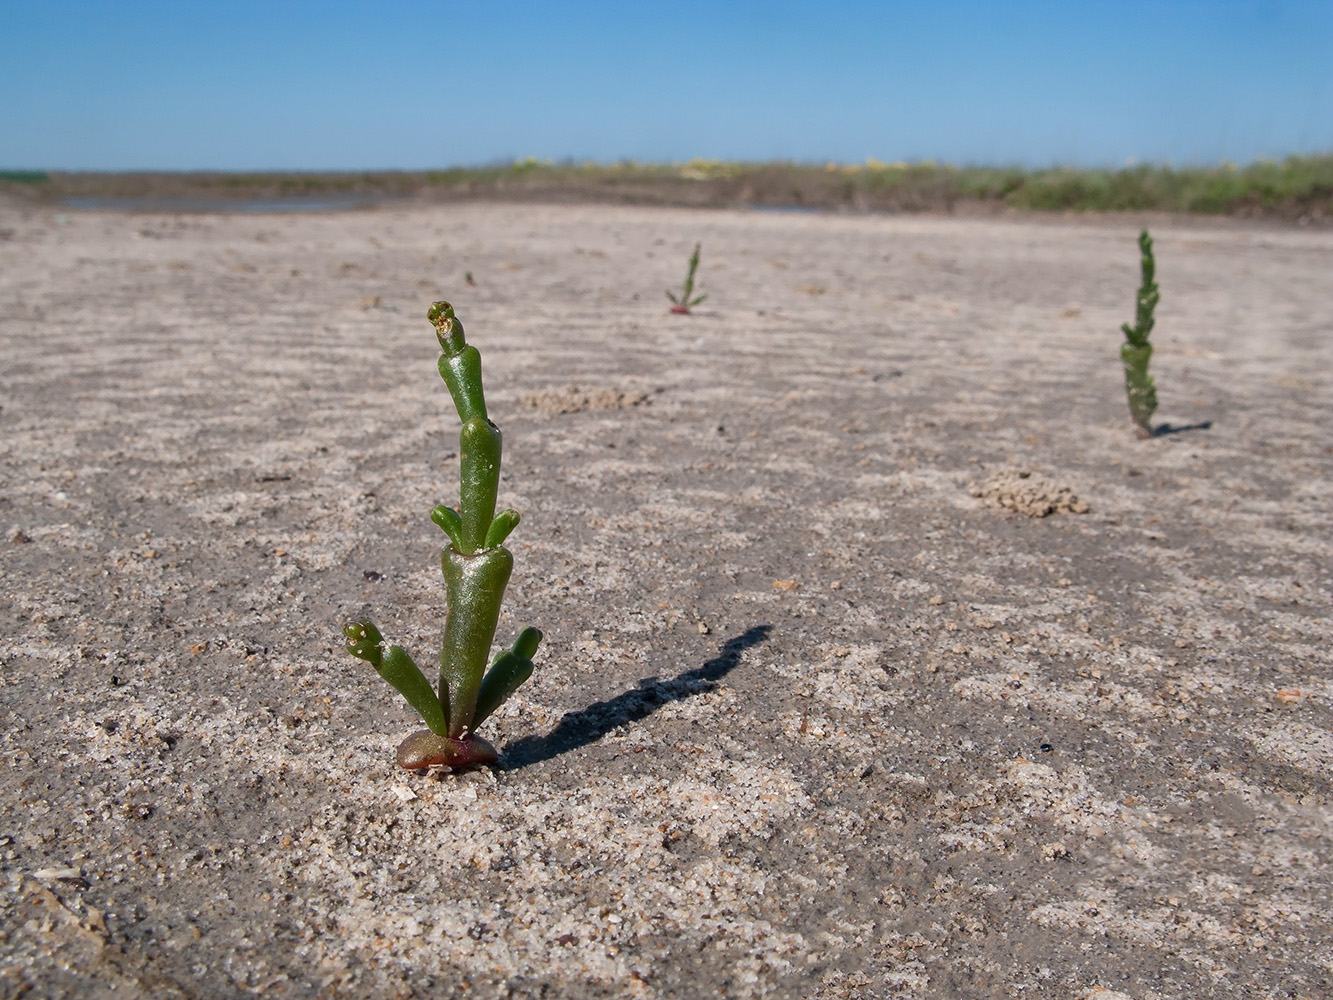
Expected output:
(588, 725)
(1162, 430)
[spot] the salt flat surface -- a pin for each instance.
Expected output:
(820, 712)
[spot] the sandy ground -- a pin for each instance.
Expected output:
(814, 716)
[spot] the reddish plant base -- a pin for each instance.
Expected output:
(681, 310)
(427, 749)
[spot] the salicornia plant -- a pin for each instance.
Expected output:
(476, 567)
(1136, 351)
(684, 303)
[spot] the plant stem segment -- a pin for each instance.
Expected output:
(474, 586)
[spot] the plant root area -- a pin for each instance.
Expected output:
(882, 658)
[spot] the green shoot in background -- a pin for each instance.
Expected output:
(476, 568)
(1136, 351)
(684, 303)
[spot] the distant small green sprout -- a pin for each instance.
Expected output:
(476, 568)
(684, 303)
(1136, 351)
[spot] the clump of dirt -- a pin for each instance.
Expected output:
(575, 400)
(1024, 492)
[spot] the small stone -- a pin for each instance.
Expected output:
(57, 874)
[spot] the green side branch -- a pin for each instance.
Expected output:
(395, 666)
(1136, 352)
(510, 669)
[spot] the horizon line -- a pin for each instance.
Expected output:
(869, 163)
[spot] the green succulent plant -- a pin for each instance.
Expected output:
(684, 303)
(1137, 351)
(476, 568)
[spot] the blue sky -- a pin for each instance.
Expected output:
(274, 85)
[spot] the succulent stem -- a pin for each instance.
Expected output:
(1136, 352)
(476, 569)
(685, 303)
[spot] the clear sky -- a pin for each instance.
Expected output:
(297, 84)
